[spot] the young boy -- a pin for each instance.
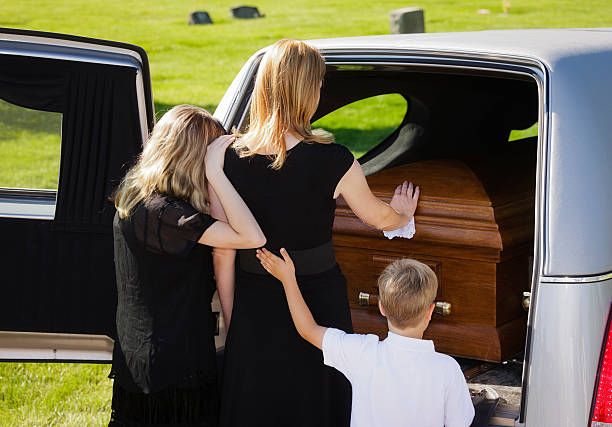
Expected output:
(401, 381)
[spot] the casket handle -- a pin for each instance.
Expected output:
(442, 307)
(367, 299)
(526, 300)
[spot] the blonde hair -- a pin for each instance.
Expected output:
(407, 288)
(285, 98)
(172, 160)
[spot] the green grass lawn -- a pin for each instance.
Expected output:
(54, 394)
(195, 64)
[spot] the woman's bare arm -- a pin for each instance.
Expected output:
(235, 229)
(223, 263)
(370, 209)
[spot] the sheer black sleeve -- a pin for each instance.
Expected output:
(169, 226)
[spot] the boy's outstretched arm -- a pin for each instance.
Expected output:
(284, 271)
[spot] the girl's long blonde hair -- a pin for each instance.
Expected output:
(285, 98)
(172, 160)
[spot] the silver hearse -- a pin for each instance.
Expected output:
(464, 94)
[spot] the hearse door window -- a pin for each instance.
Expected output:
(363, 124)
(29, 147)
(518, 134)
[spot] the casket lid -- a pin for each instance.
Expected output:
(462, 202)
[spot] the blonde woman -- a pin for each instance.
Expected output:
(164, 366)
(290, 179)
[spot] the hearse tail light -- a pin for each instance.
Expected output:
(602, 400)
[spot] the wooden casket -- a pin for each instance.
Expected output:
(474, 228)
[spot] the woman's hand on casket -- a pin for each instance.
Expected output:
(370, 209)
(405, 199)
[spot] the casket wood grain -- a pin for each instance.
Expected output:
(474, 228)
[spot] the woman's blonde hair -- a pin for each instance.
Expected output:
(285, 98)
(172, 160)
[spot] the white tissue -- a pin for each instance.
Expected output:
(407, 231)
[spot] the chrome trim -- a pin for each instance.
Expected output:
(37, 346)
(28, 192)
(540, 243)
(54, 42)
(582, 279)
(426, 55)
(24, 203)
(141, 99)
(231, 107)
(41, 50)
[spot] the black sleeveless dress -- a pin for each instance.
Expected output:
(164, 364)
(273, 377)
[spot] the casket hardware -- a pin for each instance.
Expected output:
(526, 300)
(443, 308)
(364, 298)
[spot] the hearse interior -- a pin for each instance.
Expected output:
(475, 219)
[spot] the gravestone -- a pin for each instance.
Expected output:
(407, 20)
(246, 12)
(199, 18)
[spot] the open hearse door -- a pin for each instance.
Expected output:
(58, 282)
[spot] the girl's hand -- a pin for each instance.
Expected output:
(282, 269)
(405, 200)
(215, 154)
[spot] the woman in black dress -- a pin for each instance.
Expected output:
(164, 366)
(290, 179)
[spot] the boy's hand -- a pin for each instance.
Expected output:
(283, 269)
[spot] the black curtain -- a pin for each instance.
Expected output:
(58, 276)
(100, 135)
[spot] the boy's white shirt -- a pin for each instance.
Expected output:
(400, 381)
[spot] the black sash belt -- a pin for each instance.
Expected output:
(307, 261)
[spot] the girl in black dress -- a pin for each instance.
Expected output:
(164, 366)
(290, 179)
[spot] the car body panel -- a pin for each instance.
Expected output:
(566, 337)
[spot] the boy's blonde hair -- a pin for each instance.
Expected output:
(406, 290)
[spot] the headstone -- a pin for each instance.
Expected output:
(407, 20)
(246, 12)
(199, 17)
